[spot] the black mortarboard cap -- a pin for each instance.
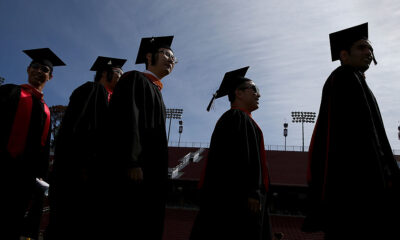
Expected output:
(344, 39)
(150, 45)
(230, 81)
(44, 56)
(102, 63)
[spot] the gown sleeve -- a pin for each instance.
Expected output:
(128, 97)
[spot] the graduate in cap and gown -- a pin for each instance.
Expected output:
(235, 181)
(79, 171)
(140, 147)
(24, 139)
(353, 176)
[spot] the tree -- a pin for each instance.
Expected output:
(2, 80)
(57, 114)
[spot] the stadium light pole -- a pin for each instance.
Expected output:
(399, 131)
(285, 132)
(303, 117)
(180, 131)
(173, 113)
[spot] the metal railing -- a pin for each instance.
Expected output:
(288, 148)
(189, 144)
(183, 162)
(267, 147)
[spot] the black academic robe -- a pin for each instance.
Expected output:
(233, 174)
(139, 139)
(18, 171)
(353, 176)
(76, 193)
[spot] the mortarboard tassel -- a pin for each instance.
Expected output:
(211, 102)
(373, 58)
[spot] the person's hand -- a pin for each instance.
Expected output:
(254, 205)
(136, 174)
(278, 235)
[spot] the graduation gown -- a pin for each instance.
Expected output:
(24, 150)
(353, 176)
(139, 139)
(79, 171)
(233, 173)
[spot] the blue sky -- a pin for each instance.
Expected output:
(285, 43)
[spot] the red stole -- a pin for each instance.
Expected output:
(109, 94)
(154, 80)
(20, 127)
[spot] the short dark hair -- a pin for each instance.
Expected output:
(348, 47)
(232, 94)
(99, 73)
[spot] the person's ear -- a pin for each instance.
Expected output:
(148, 59)
(238, 93)
(344, 55)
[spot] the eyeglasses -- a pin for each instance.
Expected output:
(42, 68)
(169, 55)
(252, 87)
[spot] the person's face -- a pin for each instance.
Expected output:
(116, 76)
(249, 95)
(165, 61)
(38, 74)
(360, 55)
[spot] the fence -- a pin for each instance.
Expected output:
(189, 144)
(267, 147)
